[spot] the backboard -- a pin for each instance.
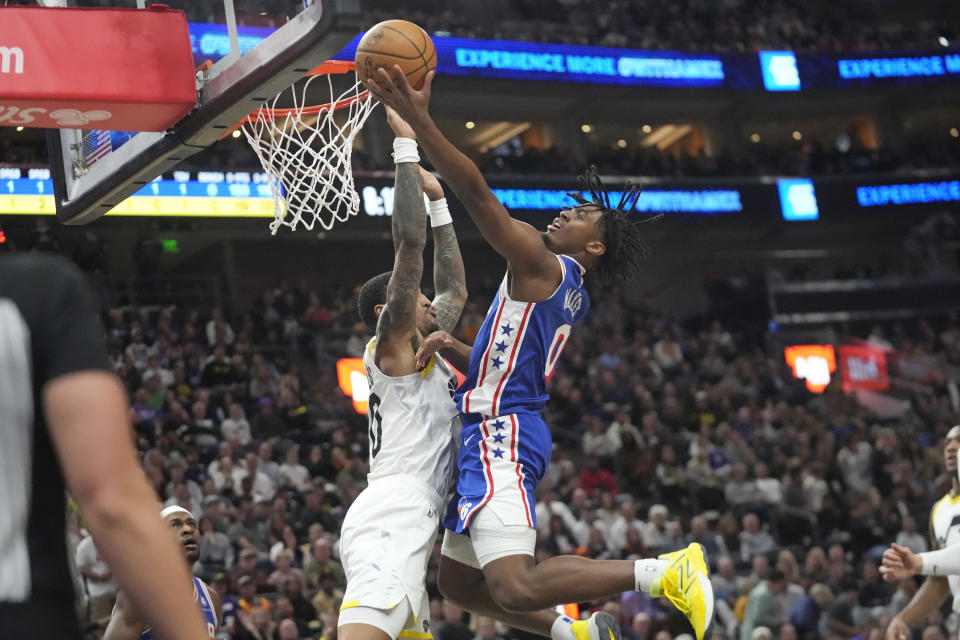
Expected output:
(245, 55)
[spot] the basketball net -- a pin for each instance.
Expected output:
(306, 152)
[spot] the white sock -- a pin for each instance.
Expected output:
(562, 629)
(648, 571)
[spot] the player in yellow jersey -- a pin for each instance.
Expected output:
(942, 569)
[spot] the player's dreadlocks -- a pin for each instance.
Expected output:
(626, 250)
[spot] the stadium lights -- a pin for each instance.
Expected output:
(754, 137)
(797, 135)
(646, 128)
(586, 128)
(943, 41)
(954, 133)
(469, 124)
(622, 143)
(236, 134)
(19, 129)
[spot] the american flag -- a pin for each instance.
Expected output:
(96, 144)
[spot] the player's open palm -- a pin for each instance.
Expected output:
(432, 344)
(393, 90)
(899, 563)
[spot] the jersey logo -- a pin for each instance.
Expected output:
(464, 510)
(572, 301)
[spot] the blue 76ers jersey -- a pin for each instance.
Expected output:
(205, 603)
(519, 345)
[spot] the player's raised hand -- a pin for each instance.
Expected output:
(897, 630)
(400, 127)
(431, 186)
(432, 344)
(393, 90)
(899, 563)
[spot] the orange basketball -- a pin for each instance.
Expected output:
(396, 42)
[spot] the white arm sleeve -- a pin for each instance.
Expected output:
(942, 562)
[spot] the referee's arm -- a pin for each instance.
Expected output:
(86, 412)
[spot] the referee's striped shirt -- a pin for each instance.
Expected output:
(48, 328)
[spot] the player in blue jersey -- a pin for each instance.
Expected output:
(505, 444)
(126, 623)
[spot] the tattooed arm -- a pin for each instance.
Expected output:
(448, 276)
(397, 337)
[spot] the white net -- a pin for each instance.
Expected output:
(306, 152)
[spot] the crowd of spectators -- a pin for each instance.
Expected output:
(812, 157)
(738, 26)
(742, 26)
(665, 432)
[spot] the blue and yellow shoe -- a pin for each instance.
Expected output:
(686, 584)
(600, 626)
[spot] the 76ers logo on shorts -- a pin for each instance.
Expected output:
(464, 509)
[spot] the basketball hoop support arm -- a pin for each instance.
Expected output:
(306, 41)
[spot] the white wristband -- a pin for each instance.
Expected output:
(405, 150)
(439, 212)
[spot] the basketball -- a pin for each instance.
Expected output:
(396, 42)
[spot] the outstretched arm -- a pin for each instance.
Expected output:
(518, 242)
(448, 276)
(397, 326)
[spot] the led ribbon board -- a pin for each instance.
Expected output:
(770, 70)
(911, 193)
(243, 194)
(534, 61)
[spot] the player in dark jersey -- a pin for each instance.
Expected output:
(126, 623)
(506, 445)
(63, 417)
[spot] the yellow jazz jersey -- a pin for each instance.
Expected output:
(413, 422)
(945, 522)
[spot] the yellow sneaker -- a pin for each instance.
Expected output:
(600, 626)
(686, 583)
